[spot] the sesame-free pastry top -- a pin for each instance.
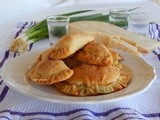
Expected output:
(77, 65)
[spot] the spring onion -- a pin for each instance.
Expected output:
(34, 34)
(40, 30)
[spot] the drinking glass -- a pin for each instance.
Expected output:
(57, 27)
(118, 17)
(138, 23)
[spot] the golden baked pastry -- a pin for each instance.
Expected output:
(69, 44)
(115, 55)
(48, 71)
(45, 54)
(116, 59)
(31, 70)
(79, 66)
(92, 80)
(71, 62)
(95, 53)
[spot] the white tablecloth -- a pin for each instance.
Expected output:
(16, 106)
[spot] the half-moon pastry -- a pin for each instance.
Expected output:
(71, 62)
(93, 80)
(116, 58)
(95, 53)
(69, 44)
(45, 54)
(48, 71)
(115, 55)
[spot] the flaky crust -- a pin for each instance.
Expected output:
(116, 58)
(93, 80)
(94, 89)
(45, 54)
(78, 66)
(115, 55)
(89, 74)
(71, 62)
(69, 44)
(95, 53)
(48, 71)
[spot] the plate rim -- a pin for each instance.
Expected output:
(33, 95)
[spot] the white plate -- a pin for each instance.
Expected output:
(14, 70)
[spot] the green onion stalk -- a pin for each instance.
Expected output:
(40, 30)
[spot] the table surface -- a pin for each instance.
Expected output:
(16, 106)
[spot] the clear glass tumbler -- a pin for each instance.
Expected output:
(138, 23)
(118, 17)
(57, 27)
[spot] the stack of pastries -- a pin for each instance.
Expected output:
(76, 65)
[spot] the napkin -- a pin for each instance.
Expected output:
(17, 106)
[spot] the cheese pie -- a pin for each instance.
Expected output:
(93, 80)
(95, 53)
(48, 71)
